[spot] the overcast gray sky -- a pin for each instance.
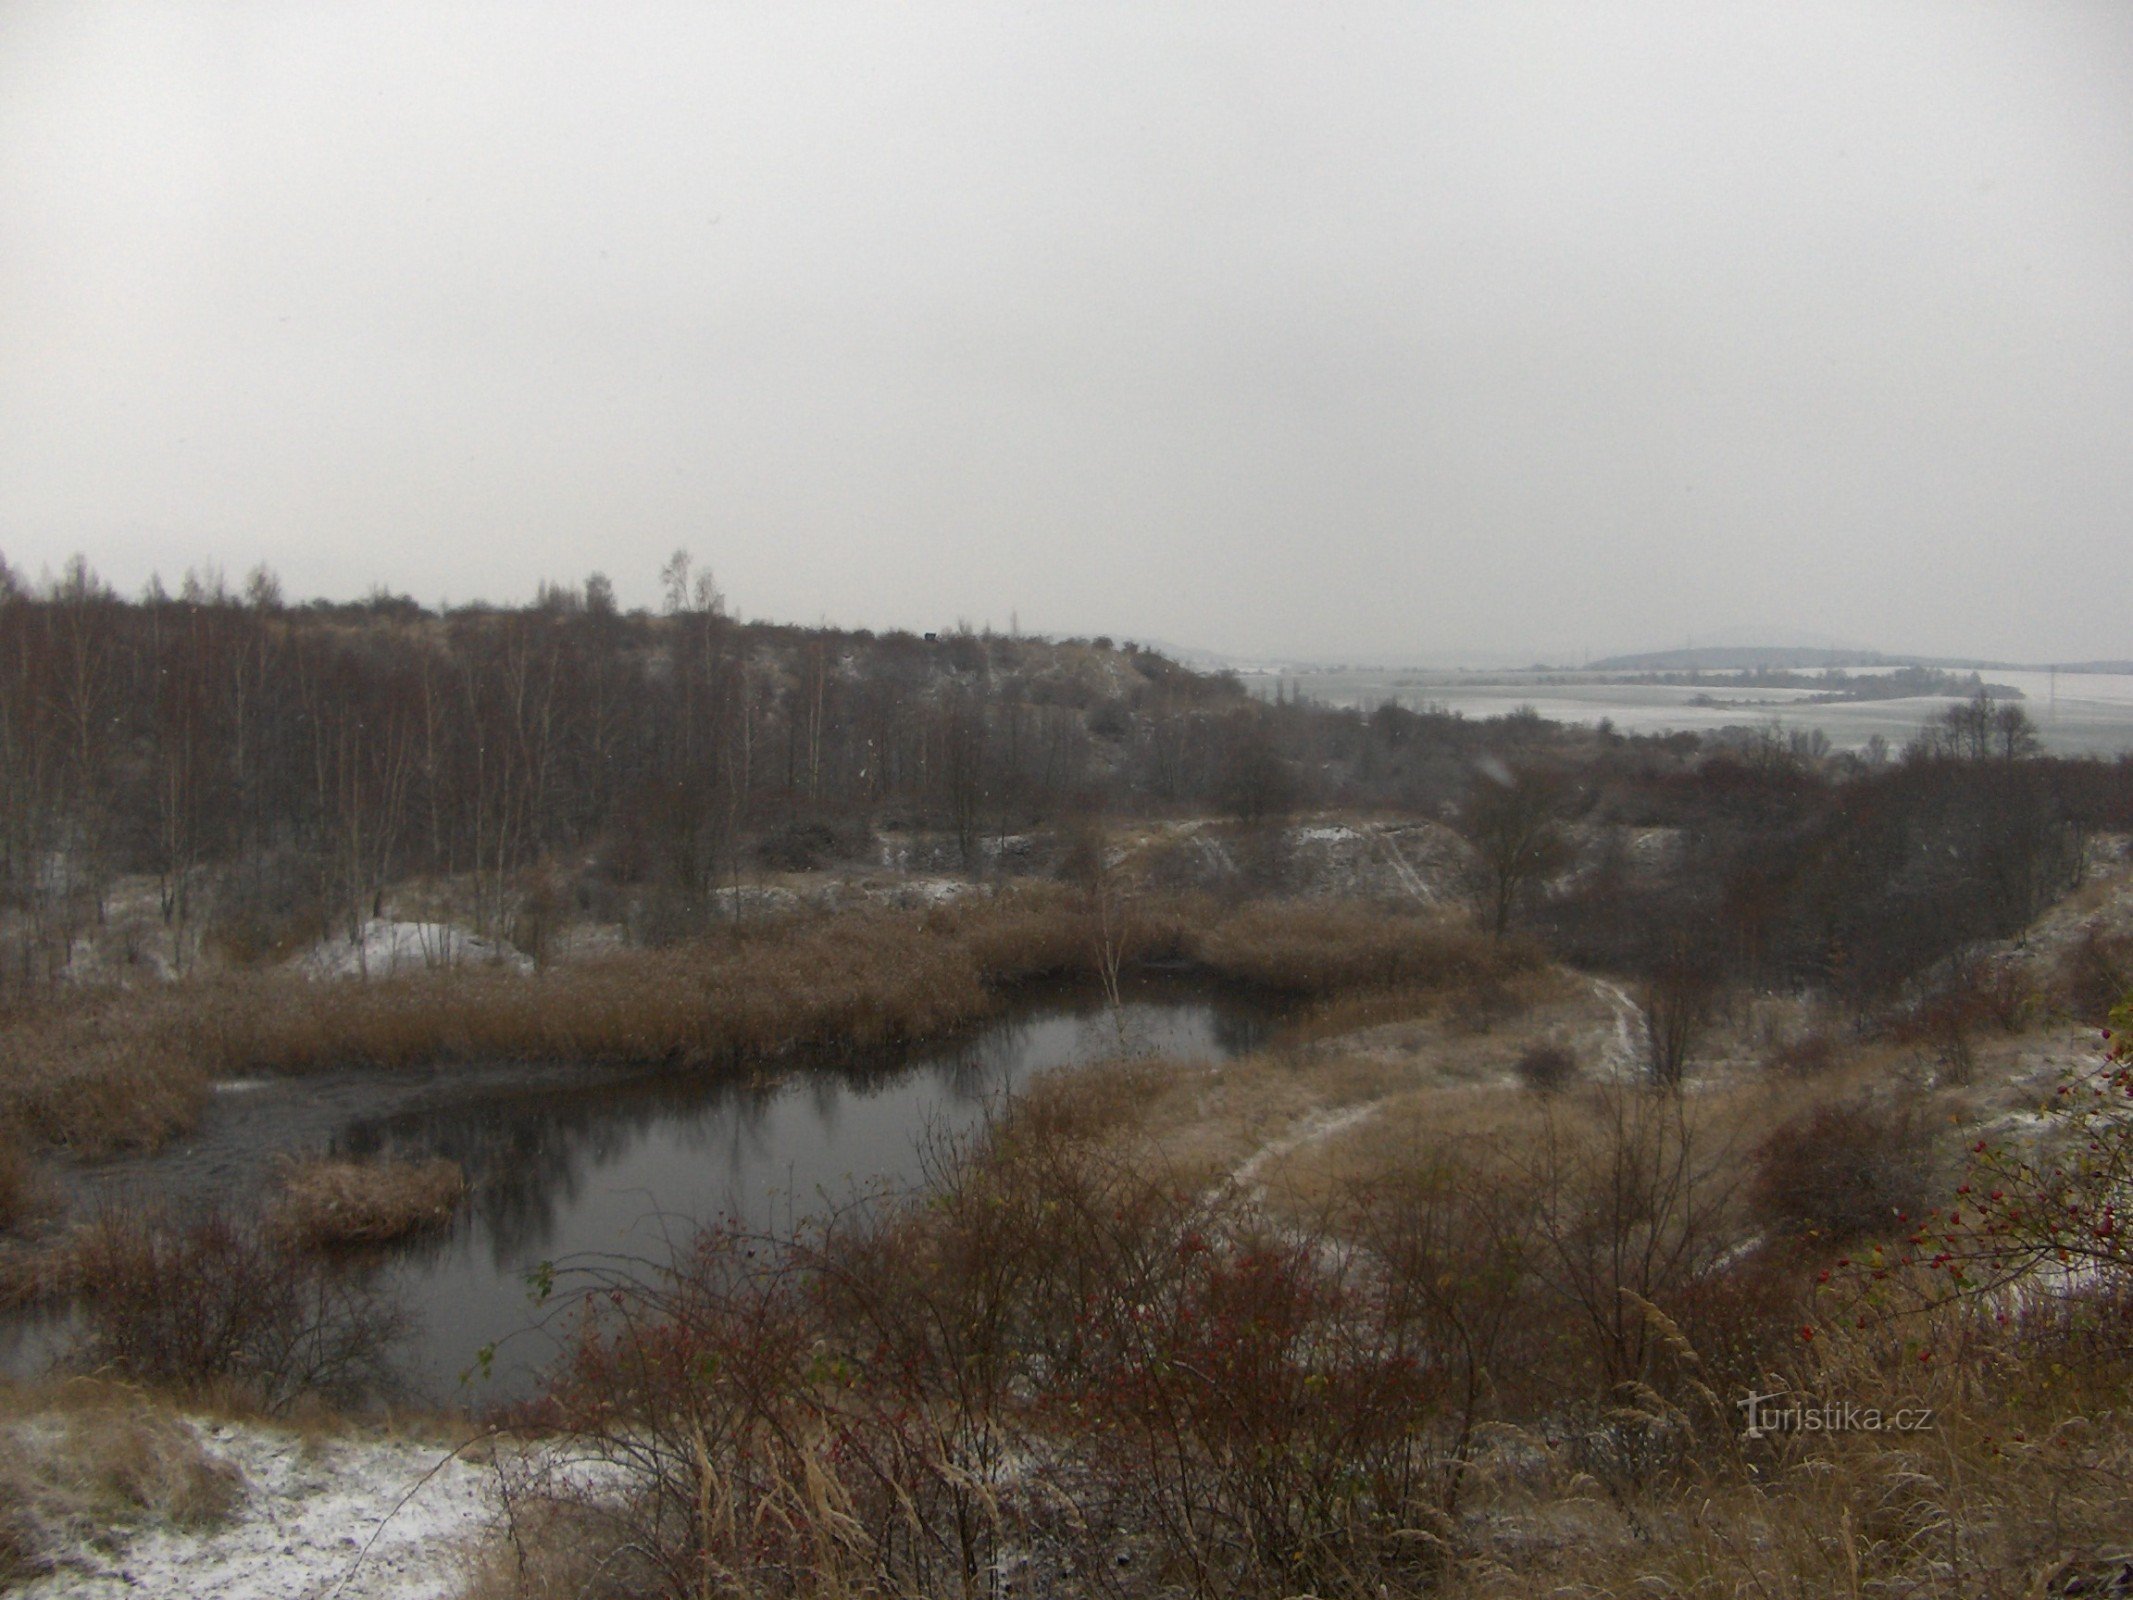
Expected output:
(1337, 330)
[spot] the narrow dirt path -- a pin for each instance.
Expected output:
(1246, 1179)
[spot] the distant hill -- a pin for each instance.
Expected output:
(1744, 657)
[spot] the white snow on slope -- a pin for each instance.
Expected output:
(387, 947)
(339, 1519)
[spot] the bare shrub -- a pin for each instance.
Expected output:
(1548, 1067)
(34, 1272)
(1272, 1423)
(1514, 821)
(266, 912)
(2096, 973)
(1844, 1170)
(1966, 994)
(1456, 1239)
(800, 844)
(219, 1305)
(1945, 1020)
(328, 1202)
(731, 1445)
(2005, 995)
(1675, 1005)
(1636, 1203)
(542, 907)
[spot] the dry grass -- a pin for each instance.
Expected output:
(2021, 1477)
(549, 1549)
(1200, 1123)
(2017, 1489)
(326, 1203)
(2014, 1490)
(1325, 948)
(126, 1070)
(82, 1460)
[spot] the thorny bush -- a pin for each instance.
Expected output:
(220, 1305)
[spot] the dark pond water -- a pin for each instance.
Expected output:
(576, 1168)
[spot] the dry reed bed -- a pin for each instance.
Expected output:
(127, 1069)
(327, 1203)
(1329, 948)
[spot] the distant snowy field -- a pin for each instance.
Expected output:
(2082, 714)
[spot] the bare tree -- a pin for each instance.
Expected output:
(1674, 1004)
(1513, 819)
(963, 765)
(2013, 734)
(1978, 729)
(1087, 865)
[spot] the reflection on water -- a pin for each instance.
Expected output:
(572, 1167)
(629, 1168)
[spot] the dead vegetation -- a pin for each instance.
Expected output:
(83, 1461)
(1846, 1169)
(1474, 1344)
(223, 1311)
(127, 1069)
(327, 1203)
(1446, 1340)
(2095, 972)
(1547, 1067)
(1325, 948)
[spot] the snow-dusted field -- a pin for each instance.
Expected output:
(332, 1519)
(2077, 713)
(387, 947)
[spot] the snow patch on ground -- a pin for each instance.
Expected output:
(1331, 833)
(387, 947)
(918, 892)
(334, 1519)
(1619, 1054)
